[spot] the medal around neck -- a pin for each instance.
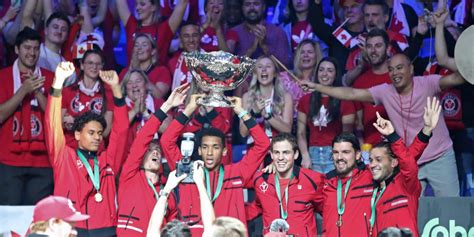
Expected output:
(216, 72)
(98, 197)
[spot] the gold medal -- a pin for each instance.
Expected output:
(98, 197)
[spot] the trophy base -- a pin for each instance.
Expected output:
(215, 99)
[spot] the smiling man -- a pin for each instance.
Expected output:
(224, 183)
(404, 101)
(84, 175)
(394, 200)
(292, 193)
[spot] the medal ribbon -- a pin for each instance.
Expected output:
(283, 213)
(153, 188)
(340, 204)
(373, 204)
(219, 183)
(94, 176)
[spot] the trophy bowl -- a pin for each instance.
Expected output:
(216, 72)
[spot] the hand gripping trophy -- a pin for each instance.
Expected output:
(217, 72)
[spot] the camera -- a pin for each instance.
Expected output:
(185, 165)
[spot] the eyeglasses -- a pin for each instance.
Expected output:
(90, 64)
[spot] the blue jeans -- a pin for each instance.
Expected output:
(321, 158)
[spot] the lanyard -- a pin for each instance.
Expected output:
(94, 176)
(283, 213)
(153, 187)
(373, 204)
(219, 183)
(341, 205)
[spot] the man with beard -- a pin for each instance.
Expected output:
(345, 199)
(376, 16)
(25, 172)
(377, 48)
(256, 37)
(224, 183)
(291, 193)
(404, 102)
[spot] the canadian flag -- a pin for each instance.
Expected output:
(399, 21)
(343, 36)
(399, 38)
(78, 51)
(460, 10)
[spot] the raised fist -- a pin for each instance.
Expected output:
(109, 77)
(63, 71)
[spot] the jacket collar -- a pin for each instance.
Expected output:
(388, 180)
(359, 167)
(296, 173)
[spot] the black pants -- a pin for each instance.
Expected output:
(24, 185)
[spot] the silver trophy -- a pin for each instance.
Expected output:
(217, 72)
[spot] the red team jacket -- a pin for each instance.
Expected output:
(70, 176)
(303, 200)
(398, 205)
(136, 199)
(357, 203)
(236, 176)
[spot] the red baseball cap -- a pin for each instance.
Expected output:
(57, 207)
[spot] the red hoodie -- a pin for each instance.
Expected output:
(236, 176)
(136, 199)
(71, 179)
(398, 205)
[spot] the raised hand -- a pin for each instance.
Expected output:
(431, 114)
(63, 71)
(306, 162)
(384, 126)
(439, 17)
(270, 169)
(178, 95)
(307, 85)
(109, 77)
(236, 104)
(422, 27)
(173, 181)
(198, 171)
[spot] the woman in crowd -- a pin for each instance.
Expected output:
(144, 59)
(87, 94)
(267, 100)
(306, 57)
(325, 117)
(215, 33)
(148, 22)
(139, 101)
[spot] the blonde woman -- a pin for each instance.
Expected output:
(267, 101)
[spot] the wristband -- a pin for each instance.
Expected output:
(163, 193)
(242, 114)
(268, 116)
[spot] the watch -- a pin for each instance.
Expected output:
(268, 116)
(163, 193)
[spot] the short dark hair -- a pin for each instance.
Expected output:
(347, 137)
(27, 34)
(379, 33)
(211, 132)
(175, 228)
(188, 23)
(283, 136)
(381, 3)
(388, 148)
(87, 117)
(60, 16)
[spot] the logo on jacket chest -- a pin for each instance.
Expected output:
(263, 187)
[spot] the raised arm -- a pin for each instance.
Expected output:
(170, 137)
(120, 123)
(146, 134)
(303, 140)
(255, 155)
(177, 15)
(158, 214)
(55, 141)
(451, 80)
(100, 16)
(86, 26)
(342, 93)
(440, 41)
(207, 210)
(123, 10)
